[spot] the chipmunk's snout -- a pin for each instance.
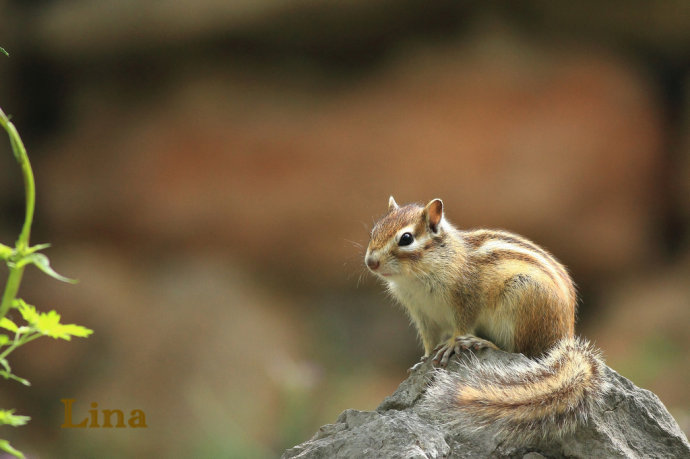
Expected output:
(372, 262)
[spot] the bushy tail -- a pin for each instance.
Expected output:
(526, 401)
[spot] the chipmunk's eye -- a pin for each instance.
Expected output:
(405, 239)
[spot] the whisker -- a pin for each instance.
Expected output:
(356, 244)
(362, 273)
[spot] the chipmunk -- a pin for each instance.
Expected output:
(489, 289)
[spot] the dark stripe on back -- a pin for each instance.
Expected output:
(498, 256)
(478, 238)
(525, 243)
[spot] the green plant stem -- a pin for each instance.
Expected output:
(15, 276)
(22, 341)
(11, 289)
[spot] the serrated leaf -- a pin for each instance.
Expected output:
(6, 447)
(7, 324)
(43, 263)
(8, 417)
(76, 330)
(27, 311)
(48, 324)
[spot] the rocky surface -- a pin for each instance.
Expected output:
(632, 423)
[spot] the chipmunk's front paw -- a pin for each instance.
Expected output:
(444, 352)
(458, 344)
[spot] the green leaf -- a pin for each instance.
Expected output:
(49, 324)
(8, 417)
(43, 263)
(2, 50)
(75, 330)
(27, 311)
(37, 247)
(7, 324)
(6, 447)
(4, 340)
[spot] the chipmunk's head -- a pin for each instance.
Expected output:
(403, 237)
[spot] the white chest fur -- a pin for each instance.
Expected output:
(432, 307)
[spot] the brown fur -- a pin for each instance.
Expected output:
(390, 223)
(495, 285)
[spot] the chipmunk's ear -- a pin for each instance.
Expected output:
(433, 212)
(392, 205)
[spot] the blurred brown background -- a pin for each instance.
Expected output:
(209, 170)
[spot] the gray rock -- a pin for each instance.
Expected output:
(631, 423)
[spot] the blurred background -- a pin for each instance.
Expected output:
(210, 171)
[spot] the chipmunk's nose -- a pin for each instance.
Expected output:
(372, 262)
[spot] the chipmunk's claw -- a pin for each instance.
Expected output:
(457, 345)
